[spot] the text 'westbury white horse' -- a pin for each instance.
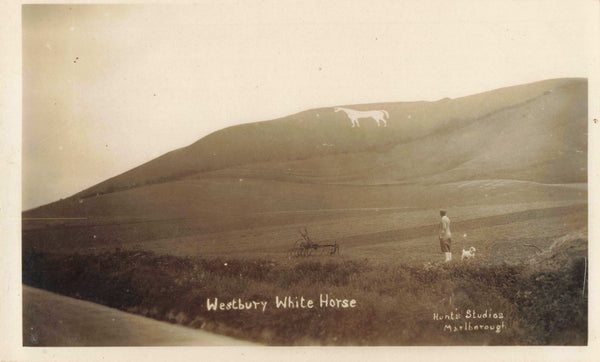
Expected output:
(354, 115)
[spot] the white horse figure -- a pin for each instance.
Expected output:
(354, 115)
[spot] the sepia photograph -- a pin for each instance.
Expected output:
(305, 174)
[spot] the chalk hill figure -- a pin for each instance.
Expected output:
(354, 115)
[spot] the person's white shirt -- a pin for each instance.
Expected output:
(445, 228)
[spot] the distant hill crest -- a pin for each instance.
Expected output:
(533, 132)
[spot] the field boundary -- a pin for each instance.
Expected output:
(431, 229)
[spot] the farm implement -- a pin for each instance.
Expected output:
(306, 247)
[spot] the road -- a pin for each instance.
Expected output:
(53, 320)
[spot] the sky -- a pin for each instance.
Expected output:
(109, 87)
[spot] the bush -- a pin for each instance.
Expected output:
(395, 303)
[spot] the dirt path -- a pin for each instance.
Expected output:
(53, 320)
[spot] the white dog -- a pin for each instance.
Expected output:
(468, 254)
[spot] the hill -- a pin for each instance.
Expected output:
(221, 217)
(542, 140)
(532, 129)
(523, 145)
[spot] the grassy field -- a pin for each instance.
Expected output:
(529, 266)
(218, 219)
(543, 301)
(262, 218)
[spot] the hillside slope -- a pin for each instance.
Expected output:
(322, 132)
(533, 133)
(542, 140)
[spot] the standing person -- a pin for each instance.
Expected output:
(445, 235)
